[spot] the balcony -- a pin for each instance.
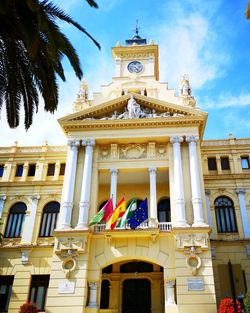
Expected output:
(163, 227)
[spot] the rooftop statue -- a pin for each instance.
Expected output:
(134, 108)
(184, 86)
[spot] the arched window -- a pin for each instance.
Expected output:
(105, 295)
(225, 215)
(16, 219)
(163, 209)
(49, 219)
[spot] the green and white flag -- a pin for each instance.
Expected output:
(129, 212)
(103, 214)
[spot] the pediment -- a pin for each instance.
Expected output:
(131, 111)
(144, 107)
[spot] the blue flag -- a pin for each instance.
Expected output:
(140, 215)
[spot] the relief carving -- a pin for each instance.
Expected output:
(184, 241)
(133, 151)
(74, 243)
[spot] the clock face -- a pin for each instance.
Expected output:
(135, 67)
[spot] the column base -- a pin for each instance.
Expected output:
(82, 226)
(200, 224)
(153, 223)
(171, 308)
(63, 227)
(181, 224)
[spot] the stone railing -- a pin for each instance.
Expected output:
(163, 226)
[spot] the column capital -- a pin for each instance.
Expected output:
(176, 139)
(192, 139)
(88, 142)
(152, 170)
(3, 198)
(240, 191)
(93, 285)
(207, 192)
(35, 198)
(73, 142)
(170, 283)
(113, 171)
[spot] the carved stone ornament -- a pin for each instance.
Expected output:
(65, 244)
(193, 261)
(25, 256)
(133, 151)
(184, 241)
(69, 262)
(135, 110)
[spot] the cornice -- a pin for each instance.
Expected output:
(135, 123)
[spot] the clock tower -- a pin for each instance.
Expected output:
(136, 59)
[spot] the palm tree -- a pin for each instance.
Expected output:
(31, 51)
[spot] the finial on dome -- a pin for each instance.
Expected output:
(136, 40)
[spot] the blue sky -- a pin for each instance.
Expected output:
(209, 40)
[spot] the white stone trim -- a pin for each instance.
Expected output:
(243, 210)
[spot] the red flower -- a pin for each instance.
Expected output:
(227, 306)
(28, 308)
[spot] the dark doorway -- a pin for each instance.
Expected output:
(136, 296)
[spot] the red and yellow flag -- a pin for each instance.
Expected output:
(118, 213)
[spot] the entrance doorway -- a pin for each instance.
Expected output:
(136, 296)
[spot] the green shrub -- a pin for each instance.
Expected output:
(247, 302)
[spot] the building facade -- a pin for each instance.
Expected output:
(136, 139)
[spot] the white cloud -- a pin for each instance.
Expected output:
(188, 43)
(226, 100)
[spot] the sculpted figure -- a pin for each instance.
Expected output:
(184, 86)
(134, 108)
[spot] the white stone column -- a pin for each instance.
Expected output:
(113, 185)
(29, 229)
(68, 185)
(2, 200)
(195, 182)
(153, 221)
(243, 210)
(169, 294)
(180, 214)
(86, 185)
(93, 288)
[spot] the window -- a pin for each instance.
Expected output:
(225, 215)
(19, 170)
(6, 283)
(225, 165)
(49, 219)
(38, 290)
(1, 170)
(15, 221)
(245, 162)
(32, 170)
(163, 208)
(51, 169)
(212, 166)
(62, 169)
